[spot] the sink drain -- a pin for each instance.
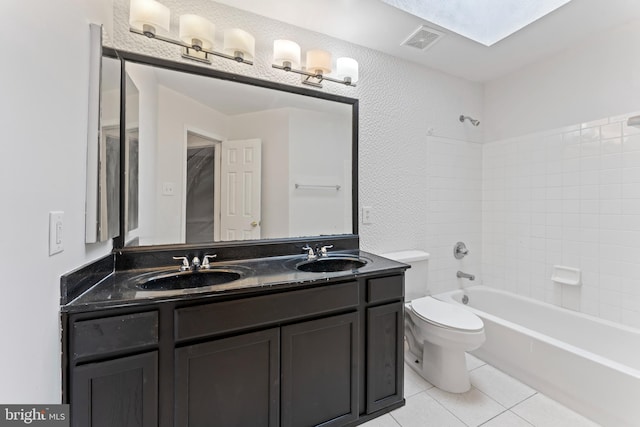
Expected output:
(465, 299)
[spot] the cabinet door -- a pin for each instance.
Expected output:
(229, 382)
(122, 392)
(319, 372)
(385, 365)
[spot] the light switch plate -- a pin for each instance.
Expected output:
(168, 189)
(56, 229)
(367, 215)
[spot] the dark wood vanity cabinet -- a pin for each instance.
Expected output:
(113, 375)
(385, 330)
(229, 382)
(384, 342)
(118, 392)
(319, 372)
(326, 355)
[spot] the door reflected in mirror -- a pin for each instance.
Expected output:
(220, 160)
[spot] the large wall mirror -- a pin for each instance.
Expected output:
(214, 157)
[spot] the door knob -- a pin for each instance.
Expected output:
(254, 224)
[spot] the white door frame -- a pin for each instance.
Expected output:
(217, 141)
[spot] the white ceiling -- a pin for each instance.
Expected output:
(379, 26)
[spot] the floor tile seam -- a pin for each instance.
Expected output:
(491, 398)
(448, 410)
(479, 366)
(522, 418)
(496, 416)
(513, 407)
(500, 403)
(556, 402)
(526, 398)
(394, 419)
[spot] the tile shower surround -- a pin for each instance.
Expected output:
(571, 197)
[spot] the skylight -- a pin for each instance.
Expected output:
(484, 21)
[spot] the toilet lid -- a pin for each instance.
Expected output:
(446, 314)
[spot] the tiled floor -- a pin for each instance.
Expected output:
(495, 400)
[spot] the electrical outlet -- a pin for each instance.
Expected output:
(367, 215)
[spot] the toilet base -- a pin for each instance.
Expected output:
(442, 367)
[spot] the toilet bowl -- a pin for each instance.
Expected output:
(437, 333)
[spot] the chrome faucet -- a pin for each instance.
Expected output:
(318, 252)
(185, 263)
(195, 263)
(322, 252)
(311, 255)
(462, 275)
(205, 261)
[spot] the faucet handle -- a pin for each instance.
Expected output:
(205, 260)
(323, 250)
(310, 253)
(185, 262)
(460, 250)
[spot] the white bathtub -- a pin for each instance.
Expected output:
(588, 364)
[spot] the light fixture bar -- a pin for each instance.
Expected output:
(238, 56)
(318, 76)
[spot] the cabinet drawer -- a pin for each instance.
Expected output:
(385, 288)
(216, 318)
(114, 334)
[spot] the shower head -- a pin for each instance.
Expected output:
(473, 121)
(634, 121)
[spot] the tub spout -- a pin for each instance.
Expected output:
(462, 275)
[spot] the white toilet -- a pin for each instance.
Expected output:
(437, 333)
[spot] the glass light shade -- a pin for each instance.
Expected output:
(196, 27)
(347, 67)
(237, 40)
(148, 12)
(319, 60)
(286, 51)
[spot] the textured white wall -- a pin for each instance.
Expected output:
(43, 117)
(400, 103)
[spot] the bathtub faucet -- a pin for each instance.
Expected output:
(462, 275)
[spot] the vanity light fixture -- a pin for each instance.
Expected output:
(196, 36)
(286, 57)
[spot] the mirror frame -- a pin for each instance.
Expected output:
(343, 241)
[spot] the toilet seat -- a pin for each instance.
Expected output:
(446, 315)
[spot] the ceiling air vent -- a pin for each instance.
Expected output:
(423, 38)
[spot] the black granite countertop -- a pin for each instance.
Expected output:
(122, 288)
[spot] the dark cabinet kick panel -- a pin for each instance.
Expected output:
(327, 355)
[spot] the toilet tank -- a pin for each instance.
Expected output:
(415, 278)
